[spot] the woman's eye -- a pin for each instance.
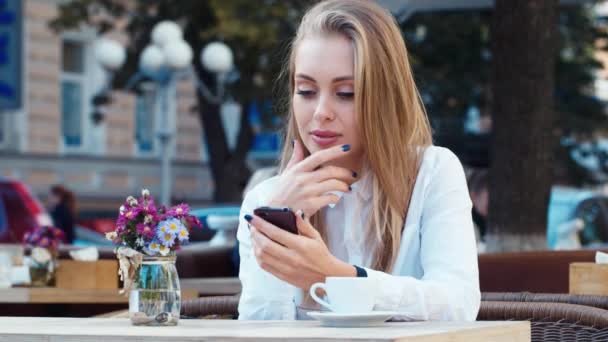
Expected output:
(346, 95)
(305, 93)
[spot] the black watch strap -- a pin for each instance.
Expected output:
(361, 272)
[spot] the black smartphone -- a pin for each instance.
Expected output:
(283, 218)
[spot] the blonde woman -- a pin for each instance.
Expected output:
(372, 196)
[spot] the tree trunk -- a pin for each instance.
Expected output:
(523, 118)
(229, 169)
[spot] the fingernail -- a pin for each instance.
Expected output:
(303, 216)
(354, 174)
(346, 147)
(293, 143)
(350, 188)
(248, 218)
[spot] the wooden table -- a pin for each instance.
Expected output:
(53, 295)
(21, 329)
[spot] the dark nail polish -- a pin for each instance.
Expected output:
(354, 174)
(303, 216)
(346, 147)
(293, 143)
(248, 218)
(350, 188)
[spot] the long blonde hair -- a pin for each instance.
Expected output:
(394, 127)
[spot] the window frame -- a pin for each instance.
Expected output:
(87, 83)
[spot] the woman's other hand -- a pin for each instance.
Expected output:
(306, 183)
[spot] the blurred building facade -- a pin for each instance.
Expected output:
(53, 138)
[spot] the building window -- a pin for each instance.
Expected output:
(73, 92)
(145, 118)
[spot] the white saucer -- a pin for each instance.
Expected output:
(334, 319)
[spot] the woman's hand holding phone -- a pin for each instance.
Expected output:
(306, 182)
(300, 260)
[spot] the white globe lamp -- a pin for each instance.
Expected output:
(166, 32)
(152, 58)
(217, 57)
(110, 54)
(178, 54)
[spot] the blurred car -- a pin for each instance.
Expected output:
(221, 221)
(92, 231)
(20, 211)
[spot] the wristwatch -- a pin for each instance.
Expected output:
(361, 272)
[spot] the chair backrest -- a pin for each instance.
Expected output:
(600, 302)
(551, 322)
(206, 307)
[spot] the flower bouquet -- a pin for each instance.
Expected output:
(147, 238)
(44, 242)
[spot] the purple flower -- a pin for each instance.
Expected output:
(120, 229)
(132, 213)
(35, 237)
(121, 221)
(145, 230)
(179, 211)
(193, 222)
(147, 206)
(45, 242)
(57, 233)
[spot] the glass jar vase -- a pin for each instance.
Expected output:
(155, 298)
(42, 267)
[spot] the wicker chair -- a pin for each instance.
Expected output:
(225, 307)
(600, 302)
(551, 322)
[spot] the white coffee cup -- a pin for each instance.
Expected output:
(346, 294)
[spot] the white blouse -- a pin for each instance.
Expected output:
(435, 276)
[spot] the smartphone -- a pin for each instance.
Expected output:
(283, 218)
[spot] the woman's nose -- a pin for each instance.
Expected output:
(323, 110)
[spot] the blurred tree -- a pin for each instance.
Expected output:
(524, 120)
(451, 56)
(257, 32)
(453, 60)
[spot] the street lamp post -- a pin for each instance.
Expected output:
(161, 61)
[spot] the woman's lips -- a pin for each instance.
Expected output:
(325, 138)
